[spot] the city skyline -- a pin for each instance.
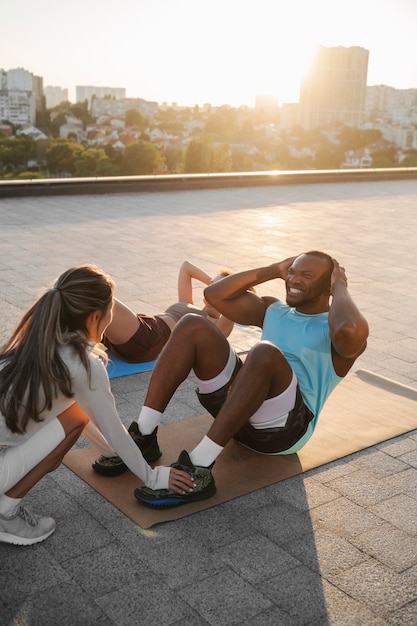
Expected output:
(192, 52)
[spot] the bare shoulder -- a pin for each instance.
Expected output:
(269, 300)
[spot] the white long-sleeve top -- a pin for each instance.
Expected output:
(104, 430)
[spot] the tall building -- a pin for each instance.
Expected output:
(383, 102)
(54, 96)
(119, 108)
(334, 90)
(21, 95)
(86, 92)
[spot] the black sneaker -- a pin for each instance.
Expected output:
(147, 444)
(165, 498)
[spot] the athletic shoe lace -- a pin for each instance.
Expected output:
(27, 515)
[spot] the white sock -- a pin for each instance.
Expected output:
(8, 506)
(148, 420)
(205, 453)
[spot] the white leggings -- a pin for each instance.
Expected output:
(17, 461)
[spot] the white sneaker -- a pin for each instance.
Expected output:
(25, 527)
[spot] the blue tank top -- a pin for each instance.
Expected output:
(305, 342)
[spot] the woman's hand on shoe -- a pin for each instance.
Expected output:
(180, 482)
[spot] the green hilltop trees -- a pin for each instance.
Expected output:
(61, 157)
(190, 141)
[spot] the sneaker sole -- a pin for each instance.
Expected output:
(174, 500)
(109, 471)
(122, 468)
(23, 541)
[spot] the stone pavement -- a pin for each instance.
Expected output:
(337, 545)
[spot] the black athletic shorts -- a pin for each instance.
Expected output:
(266, 440)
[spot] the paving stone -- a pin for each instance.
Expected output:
(224, 599)
(325, 552)
(294, 553)
(255, 558)
(298, 592)
(344, 517)
(374, 584)
(389, 545)
(400, 510)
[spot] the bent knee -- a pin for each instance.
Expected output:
(192, 322)
(267, 353)
(73, 418)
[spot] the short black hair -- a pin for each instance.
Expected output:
(325, 257)
(322, 255)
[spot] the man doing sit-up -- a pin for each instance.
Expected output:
(272, 401)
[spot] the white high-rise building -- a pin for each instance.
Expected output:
(20, 96)
(334, 91)
(86, 92)
(54, 96)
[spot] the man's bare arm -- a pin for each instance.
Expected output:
(230, 295)
(348, 327)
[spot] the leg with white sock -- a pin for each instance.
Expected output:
(265, 374)
(195, 344)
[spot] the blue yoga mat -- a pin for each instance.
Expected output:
(117, 368)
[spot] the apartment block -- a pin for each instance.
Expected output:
(18, 96)
(21, 95)
(387, 103)
(86, 92)
(118, 108)
(54, 96)
(334, 90)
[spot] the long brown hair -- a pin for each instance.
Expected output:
(32, 371)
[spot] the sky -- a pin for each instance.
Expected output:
(197, 51)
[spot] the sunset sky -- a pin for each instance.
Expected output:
(195, 51)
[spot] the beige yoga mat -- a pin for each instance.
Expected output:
(364, 409)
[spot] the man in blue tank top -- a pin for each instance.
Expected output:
(271, 402)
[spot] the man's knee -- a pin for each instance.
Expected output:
(266, 354)
(192, 323)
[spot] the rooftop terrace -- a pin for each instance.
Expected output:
(336, 545)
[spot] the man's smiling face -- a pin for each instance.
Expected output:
(308, 284)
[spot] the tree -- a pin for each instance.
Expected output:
(43, 117)
(223, 123)
(134, 117)
(141, 157)
(198, 155)
(94, 162)
(57, 122)
(80, 111)
(29, 175)
(282, 157)
(62, 155)
(384, 157)
(241, 162)
(353, 138)
(202, 156)
(174, 160)
(327, 158)
(16, 151)
(410, 160)
(220, 159)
